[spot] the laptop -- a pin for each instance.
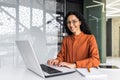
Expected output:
(33, 64)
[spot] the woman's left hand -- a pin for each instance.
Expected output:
(66, 64)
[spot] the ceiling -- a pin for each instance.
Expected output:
(112, 8)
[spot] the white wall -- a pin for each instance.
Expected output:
(115, 37)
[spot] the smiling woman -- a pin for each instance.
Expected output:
(79, 49)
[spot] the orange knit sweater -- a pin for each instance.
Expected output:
(81, 49)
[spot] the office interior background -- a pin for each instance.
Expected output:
(41, 22)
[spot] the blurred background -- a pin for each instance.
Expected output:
(41, 22)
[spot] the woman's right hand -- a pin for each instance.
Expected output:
(53, 62)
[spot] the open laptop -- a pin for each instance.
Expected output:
(30, 58)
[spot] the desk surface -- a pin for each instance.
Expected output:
(21, 73)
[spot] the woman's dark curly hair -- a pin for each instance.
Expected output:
(84, 26)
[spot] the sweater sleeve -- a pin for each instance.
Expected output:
(93, 59)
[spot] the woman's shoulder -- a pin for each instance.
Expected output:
(89, 36)
(67, 37)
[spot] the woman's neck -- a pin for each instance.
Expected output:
(77, 33)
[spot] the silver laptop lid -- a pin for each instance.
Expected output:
(29, 56)
(32, 62)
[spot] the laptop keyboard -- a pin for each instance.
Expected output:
(48, 69)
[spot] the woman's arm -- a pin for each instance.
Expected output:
(93, 59)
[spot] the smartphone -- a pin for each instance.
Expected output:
(109, 66)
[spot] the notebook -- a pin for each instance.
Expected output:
(30, 59)
(94, 73)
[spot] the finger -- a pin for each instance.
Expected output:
(56, 63)
(50, 61)
(53, 62)
(61, 64)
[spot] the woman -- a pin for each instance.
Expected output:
(79, 49)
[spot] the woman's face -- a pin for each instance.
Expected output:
(73, 24)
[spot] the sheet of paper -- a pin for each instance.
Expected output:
(94, 72)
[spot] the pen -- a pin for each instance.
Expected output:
(88, 69)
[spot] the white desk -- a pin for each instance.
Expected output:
(21, 73)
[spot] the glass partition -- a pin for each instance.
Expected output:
(94, 11)
(30, 20)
